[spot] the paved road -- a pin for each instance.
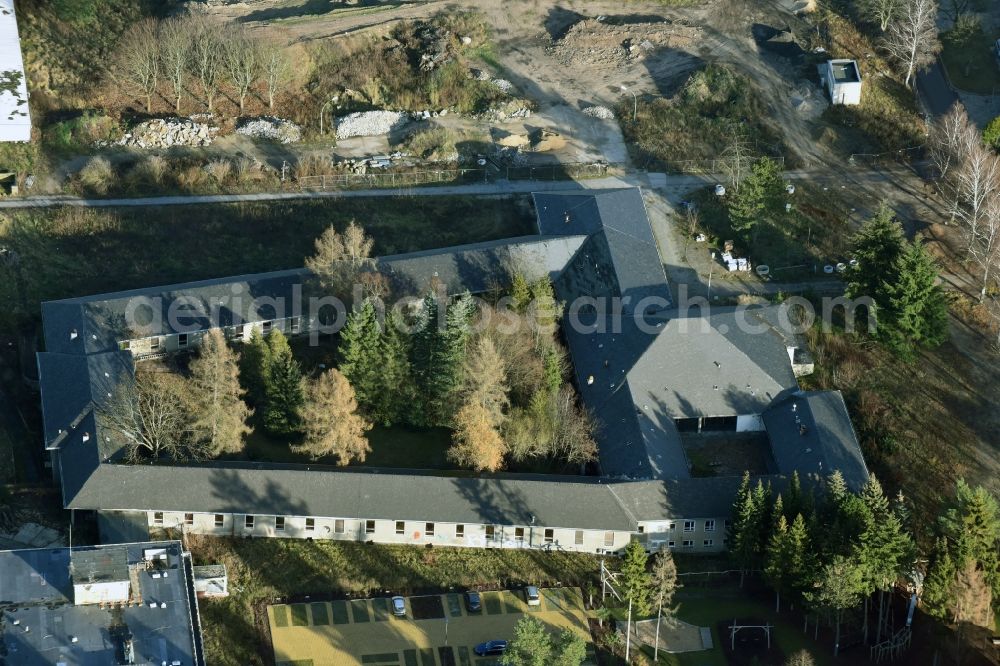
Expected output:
(934, 88)
(835, 177)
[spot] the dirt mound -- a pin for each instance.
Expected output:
(617, 43)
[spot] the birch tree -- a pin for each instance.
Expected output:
(138, 62)
(206, 58)
(948, 139)
(913, 38)
(175, 49)
(880, 11)
(277, 70)
(977, 208)
(331, 422)
(219, 414)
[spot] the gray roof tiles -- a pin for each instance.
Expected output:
(636, 380)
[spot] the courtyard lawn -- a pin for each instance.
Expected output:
(396, 446)
(265, 571)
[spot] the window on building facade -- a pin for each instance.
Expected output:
(642, 529)
(236, 332)
(265, 327)
(157, 517)
(154, 344)
(248, 522)
(279, 523)
(671, 527)
(400, 527)
(310, 524)
(728, 523)
(429, 529)
(519, 534)
(709, 525)
(491, 532)
(671, 544)
(220, 520)
(578, 538)
(369, 527)
(689, 526)
(296, 324)
(708, 542)
(549, 535)
(688, 543)
(609, 539)
(460, 531)
(338, 526)
(189, 519)
(182, 340)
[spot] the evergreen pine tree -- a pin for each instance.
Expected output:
(635, 580)
(394, 400)
(553, 369)
(775, 564)
(284, 388)
(362, 354)
(939, 583)
(439, 357)
(793, 499)
(759, 194)
(972, 528)
(876, 247)
(520, 293)
(255, 367)
(743, 528)
(915, 311)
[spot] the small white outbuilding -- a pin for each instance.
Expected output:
(842, 79)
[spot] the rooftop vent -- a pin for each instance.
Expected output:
(86, 436)
(73, 335)
(567, 217)
(802, 429)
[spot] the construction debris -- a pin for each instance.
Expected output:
(601, 112)
(167, 132)
(593, 42)
(370, 123)
(269, 127)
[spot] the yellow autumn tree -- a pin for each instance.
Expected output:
(330, 420)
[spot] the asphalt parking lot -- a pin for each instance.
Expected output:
(438, 630)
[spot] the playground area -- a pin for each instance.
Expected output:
(438, 630)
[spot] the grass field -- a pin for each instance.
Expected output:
(73, 252)
(234, 627)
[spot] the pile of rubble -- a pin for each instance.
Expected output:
(361, 165)
(601, 112)
(269, 127)
(167, 132)
(593, 42)
(503, 85)
(809, 100)
(512, 110)
(369, 123)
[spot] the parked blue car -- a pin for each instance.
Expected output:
(490, 649)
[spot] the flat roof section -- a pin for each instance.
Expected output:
(15, 123)
(845, 71)
(41, 626)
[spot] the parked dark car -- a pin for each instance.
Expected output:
(473, 603)
(490, 649)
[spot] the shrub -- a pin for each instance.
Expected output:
(991, 135)
(152, 169)
(219, 169)
(81, 133)
(97, 175)
(313, 165)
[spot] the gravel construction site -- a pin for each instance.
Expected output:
(570, 56)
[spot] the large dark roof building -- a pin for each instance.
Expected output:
(647, 369)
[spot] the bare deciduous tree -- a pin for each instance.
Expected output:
(207, 46)
(948, 138)
(277, 70)
(913, 37)
(175, 49)
(241, 56)
(138, 60)
(573, 434)
(340, 258)
(219, 413)
(330, 419)
(149, 414)
(880, 11)
(738, 158)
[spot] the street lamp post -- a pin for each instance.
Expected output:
(635, 102)
(322, 112)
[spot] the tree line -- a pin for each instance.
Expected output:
(192, 53)
(833, 551)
